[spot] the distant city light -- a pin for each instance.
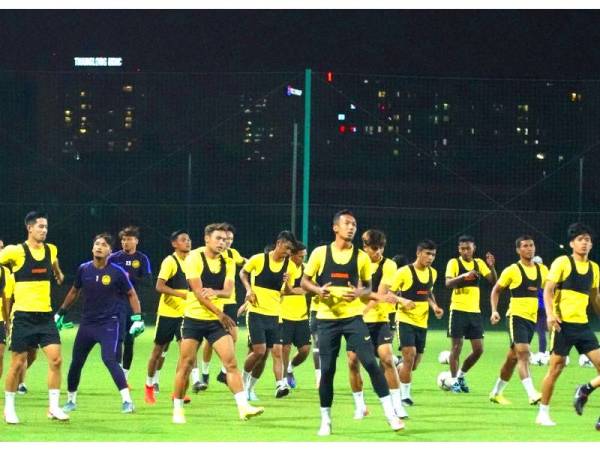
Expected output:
(292, 91)
(541, 156)
(329, 77)
(352, 106)
(341, 116)
(87, 61)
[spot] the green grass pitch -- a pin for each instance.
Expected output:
(212, 415)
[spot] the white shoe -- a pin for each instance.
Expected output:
(248, 411)
(396, 424)
(10, 417)
(178, 416)
(57, 414)
(544, 420)
(401, 412)
(360, 414)
(325, 429)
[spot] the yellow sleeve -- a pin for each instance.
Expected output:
(10, 254)
(389, 270)
(229, 269)
(452, 268)
(53, 252)
(595, 271)
(557, 269)
(315, 261)
(507, 276)
(250, 266)
(364, 266)
(401, 277)
(237, 258)
(168, 268)
(483, 267)
(193, 266)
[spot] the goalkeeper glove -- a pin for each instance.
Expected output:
(137, 327)
(59, 318)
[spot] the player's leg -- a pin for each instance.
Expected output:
(108, 336)
(330, 334)
(231, 311)
(188, 348)
(357, 334)
(31, 357)
(301, 340)
(258, 355)
(523, 351)
(587, 345)
(560, 348)
(2, 348)
(127, 349)
(506, 372)
(83, 345)
(386, 358)
(207, 352)
(273, 341)
(18, 364)
(407, 337)
(541, 327)
(225, 349)
(315, 348)
(356, 384)
(162, 336)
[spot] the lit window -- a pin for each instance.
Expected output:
(82, 130)
(381, 94)
(410, 117)
(128, 119)
(446, 118)
(67, 112)
(127, 124)
(128, 88)
(83, 118)
(82, 94)
(129, 144)
(128, 113)
(446, 106)
(83, 106)
(444, 141)
(67, 119)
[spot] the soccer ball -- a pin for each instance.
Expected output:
(445, 381)
(444, 357)
(584, 361)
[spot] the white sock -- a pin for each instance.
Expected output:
(280, 383)
(223, 370)
(241, 399)
(388, 407)
(499, 386)
(156, 377)
(290, 368)
(251, 383)
(195, 375)
(528, 385)
(326, 414)
(461, 374)
(126, 372)
(245, 378)
(177, 403)
(72, 397)
(125, 395)
(359, 401)
(22, 385)
(544, 409)
(149, 381)
(205, 367)
(163, 355)
(405, 390)
(53, 398)
(9, 401)
(396, 399)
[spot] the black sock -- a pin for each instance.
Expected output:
(589, 388)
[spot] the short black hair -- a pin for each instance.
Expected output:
(375, 238)
(130, 230)
(522, 238)
(427, 244)
(268, 248)
(340, 213)
(299, 246)
(107, 237)
(465, 238)
(287, 235)
(32, 216)
(229, 227)
(212, 227)
(577, 229)
(175, 234)
(400, 260)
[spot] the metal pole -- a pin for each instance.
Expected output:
(189, 191)
(306, 171)
(580, 186)
(294, 175)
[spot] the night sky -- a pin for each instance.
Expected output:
(501, 44)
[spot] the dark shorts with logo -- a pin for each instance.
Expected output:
(353, 329)
(466, 325)
(380, 333)
(263, 329)
(295, 332)
(412, 336)
(196, 329)
(32, 330)
(578, 335)
(167, 329)
(520, 330)
(392, 319)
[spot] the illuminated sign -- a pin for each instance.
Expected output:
(292, 91)
(97, 62)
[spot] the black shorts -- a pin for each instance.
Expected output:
(353, 329)
(166, 329)
(579, 335)
(312, 321)
(295, 332)
(2, 333)
(412, 336)
(231, 311)
(263, 329)
(466, 325)
(380, 334)
(32, 329)
(196, 329)
(520, 330)
(392, 320)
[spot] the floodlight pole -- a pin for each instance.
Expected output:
(306, 171)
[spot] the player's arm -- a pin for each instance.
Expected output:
(494, 299)
(134, 301)
(490, 260)
(137, 325)
(439, 312)
(5, 311)
(362, 291)
(162, 288)
(594, 300)
(551, 318)
(70, 298)
(453, 280)
(58, 273)
(250, 295)
(198, 290)
(221, 293)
